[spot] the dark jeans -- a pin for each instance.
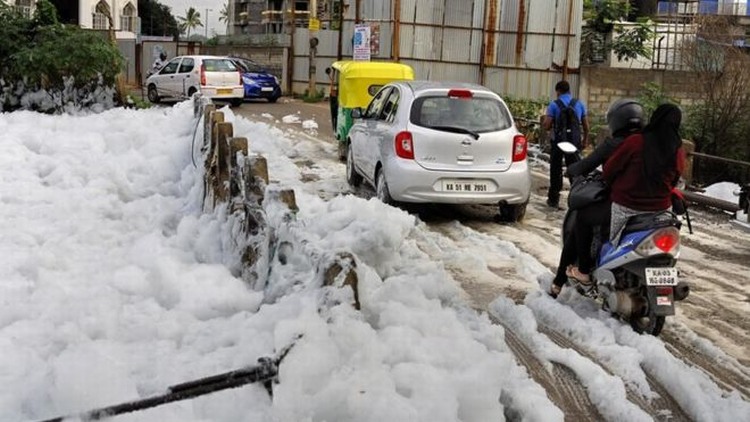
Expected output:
(555, 171)
(568, 256)
(578, 242)
(588, 219)
(334, 102)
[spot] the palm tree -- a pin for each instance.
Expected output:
(191, 20)
(224, 15)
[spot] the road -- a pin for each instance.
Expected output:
(711, 331)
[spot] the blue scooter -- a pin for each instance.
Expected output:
(636, 279)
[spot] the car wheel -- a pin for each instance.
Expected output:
(354, 178)
(272, 99)
(153, 95)
(513, 212)
(191, 91)
(381, 188)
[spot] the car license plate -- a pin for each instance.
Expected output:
(266, 88)
(223, 91)
(666, 276)
(465, 186)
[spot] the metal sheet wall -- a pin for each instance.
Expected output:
(528, 44)
(521, 83)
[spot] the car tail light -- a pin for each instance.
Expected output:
(203, 74)
(666, 240)
(519, 148)
(404, 145)
(460, 93)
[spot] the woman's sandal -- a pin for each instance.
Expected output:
(573, 272)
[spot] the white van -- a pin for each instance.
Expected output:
(213, 76)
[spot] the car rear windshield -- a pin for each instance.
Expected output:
(218, 65)
(478, 114)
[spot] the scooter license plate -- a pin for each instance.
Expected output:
(664, 276)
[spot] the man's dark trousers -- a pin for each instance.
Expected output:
(555, 172)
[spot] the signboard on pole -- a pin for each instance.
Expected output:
(314, 24)
(361, 42)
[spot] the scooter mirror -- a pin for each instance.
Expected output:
(567, 147)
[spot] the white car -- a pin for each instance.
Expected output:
(440, 142)
(215, 77)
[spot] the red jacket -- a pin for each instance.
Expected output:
(623, 171)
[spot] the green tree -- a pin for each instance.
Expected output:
(38, 53)
(157, 19)
(718, 123)
(605, 32)
(191, 20)
(224, 15)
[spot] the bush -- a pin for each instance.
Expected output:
(317, 96)
(41, 55)
(652, 96)
(526, 114)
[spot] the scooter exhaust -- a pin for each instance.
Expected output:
(625, 305)
(681, 291)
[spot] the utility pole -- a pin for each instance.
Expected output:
(290, 56)
(312, 29)
(339, 55)
(206, 24)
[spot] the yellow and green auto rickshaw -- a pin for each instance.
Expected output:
(353, 84)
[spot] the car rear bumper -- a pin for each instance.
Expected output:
(410, 182)
(257, 92)
(223, 91)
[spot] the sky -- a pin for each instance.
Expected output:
(117, 284)
(179, 7)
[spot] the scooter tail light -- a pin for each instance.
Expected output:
(662, 241)
(664, 291)
(203, 74)
(404, 145)
(520, 148)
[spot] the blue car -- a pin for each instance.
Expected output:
(258, 83)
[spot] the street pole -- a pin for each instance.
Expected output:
(313, 47)
(339, 55)
(206, 25)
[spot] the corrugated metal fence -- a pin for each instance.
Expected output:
(515, 47)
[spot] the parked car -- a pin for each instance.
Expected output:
(440, 142)
(215, 77)
(257, 81)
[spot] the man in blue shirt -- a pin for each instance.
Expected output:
(564, 128)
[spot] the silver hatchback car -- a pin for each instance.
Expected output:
(440, 142)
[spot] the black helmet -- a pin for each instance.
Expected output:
(625, 114)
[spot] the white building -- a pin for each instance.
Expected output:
(92, 14)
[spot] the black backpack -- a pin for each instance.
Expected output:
(567, 125)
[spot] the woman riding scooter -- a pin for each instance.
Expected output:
(641, 173)
(644, 170)
(624, 117)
